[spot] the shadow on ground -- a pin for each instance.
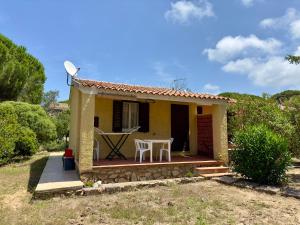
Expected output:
(36, 170)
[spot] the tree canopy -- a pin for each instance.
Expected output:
(293, 59)
(49, 97)
(251, 110)
(285, 95)
(22, 76)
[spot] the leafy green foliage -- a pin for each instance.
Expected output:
(49, 98)
(8, 128)
(293, 107)
(26, 143)
(35, 118)
(261, 155)
(62, 122)
(23, 127)
(239, 96)
(252, 110)
(56, 145)
(293, 59)
(285, 95)
(22, 76)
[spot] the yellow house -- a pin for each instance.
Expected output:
(196, 122)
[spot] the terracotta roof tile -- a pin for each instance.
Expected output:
(149, 90)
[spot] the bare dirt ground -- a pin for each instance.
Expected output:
(206, 202)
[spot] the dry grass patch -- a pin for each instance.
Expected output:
(201, 203)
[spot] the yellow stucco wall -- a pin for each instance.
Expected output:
(82, 128)
(159, 124)
(219, 114)
(86, 134)
(74, 125)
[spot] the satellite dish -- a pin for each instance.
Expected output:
(71, 71)
(70, 68)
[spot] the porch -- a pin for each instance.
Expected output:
(114, 171)
(196, 122)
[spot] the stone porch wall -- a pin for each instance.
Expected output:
(141, 173)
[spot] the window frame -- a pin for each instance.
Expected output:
(130, 109)
(143, 116)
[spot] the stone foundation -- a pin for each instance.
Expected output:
(138, 173)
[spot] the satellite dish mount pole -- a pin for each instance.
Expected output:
(68, 83)
(71, 71)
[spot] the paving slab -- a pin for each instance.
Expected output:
(226, 179)
(54, 178)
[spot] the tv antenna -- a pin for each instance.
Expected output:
(71, 70)
(179, 84)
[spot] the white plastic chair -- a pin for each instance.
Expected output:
(166, 149)
(142, 147)
(96, 149)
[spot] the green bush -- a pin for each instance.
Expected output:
(35, 118)
(23, 127)
(55, 145)
(62, 122)
(26, 143)
(251, 110)
(261, 155)
(293, 108)
(8, 127)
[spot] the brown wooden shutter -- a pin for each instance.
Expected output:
(144, 117)
(117, 116)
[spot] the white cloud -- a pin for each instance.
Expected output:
(290, 21)
(295, 29)
(210, 88)
(239, 66)
(262, 61)
(184, 11)
(297, 52)
(290, 15)
(272, 72)
(247, 3)
(229, 47)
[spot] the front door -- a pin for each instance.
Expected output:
(180, 127)
(205, 135)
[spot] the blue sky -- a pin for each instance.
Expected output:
(217, 46)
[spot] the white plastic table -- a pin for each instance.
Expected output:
(159, 141)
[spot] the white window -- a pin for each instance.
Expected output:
(130, 117)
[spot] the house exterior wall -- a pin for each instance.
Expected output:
(220, 142)
(159, 124)
(74, 118)
(82, 128)
(86, 134)
(84, 106)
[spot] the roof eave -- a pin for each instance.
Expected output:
(143, 96)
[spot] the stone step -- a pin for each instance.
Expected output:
(212, 169)
(211, 175)
(209, 163)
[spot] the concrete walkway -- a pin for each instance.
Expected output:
(54, 178)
